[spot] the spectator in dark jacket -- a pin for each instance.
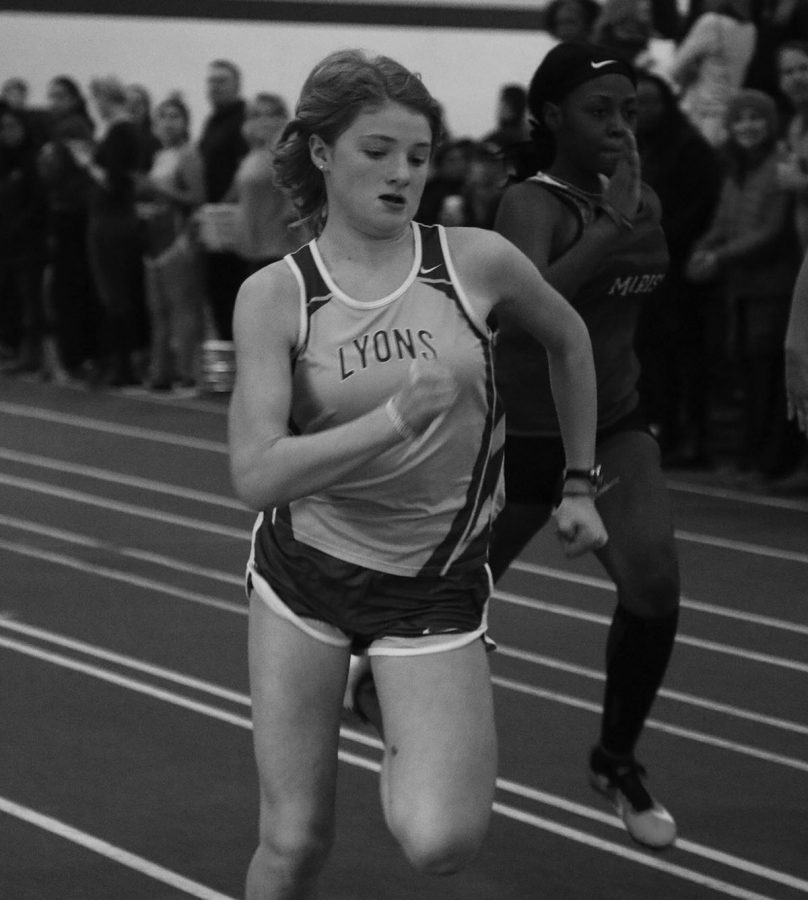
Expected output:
(71, 295)
(114, 231)
(22, 243)
(223, 146)
(677, 334)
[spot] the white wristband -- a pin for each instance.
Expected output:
(405, 430)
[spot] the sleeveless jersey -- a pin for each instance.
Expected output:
(609, 303)
(426, 504)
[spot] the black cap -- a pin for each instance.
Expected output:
(569, 65)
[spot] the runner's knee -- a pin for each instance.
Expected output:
(436, 846)
(648, 584)
(297, 850)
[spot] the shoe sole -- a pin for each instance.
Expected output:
(601, 784)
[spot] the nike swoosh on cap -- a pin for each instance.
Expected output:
(599, 65)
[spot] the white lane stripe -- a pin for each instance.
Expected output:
(511, 787)
(149, 584)
(130, 509)
(230, 503)
(130, 662)
(149, 556)
(114, 428)
(582, 837)
(737, 496)
(167, 437)
(241, 534)
(688, 733)
(110, 851)
(107, 475)
(710, 853)
(597, 619)
(241, 609)
(687, 603)
(93, 424)
(532, 568)
(742, 546)
(550, 662)
(502, 649)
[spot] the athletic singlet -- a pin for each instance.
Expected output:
(608, 301)
(425, 504)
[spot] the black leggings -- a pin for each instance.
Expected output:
(640, 555)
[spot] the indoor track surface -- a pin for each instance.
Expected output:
(126, 767)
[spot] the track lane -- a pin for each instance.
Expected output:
(521, 719)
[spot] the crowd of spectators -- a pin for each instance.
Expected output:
(123, 241)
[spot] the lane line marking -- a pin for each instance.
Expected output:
(527, 818)
(110, 476)
(117, 429)
(687, 603)
(110, 851)
(46, 415)
(129, 509)
(551, 662)
(737, 496)
(244, 535)
(676, 730)
(240, 609)
(688, 640)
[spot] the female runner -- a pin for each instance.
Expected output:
(592, 229)
(364, 426)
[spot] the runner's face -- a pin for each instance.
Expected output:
(375, 171)
(593, 122)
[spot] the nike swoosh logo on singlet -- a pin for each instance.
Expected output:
(600, 65)
(427, 271)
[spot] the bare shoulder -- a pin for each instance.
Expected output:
(489, 267)
(475, 250)
(268, 305)
(530, 201)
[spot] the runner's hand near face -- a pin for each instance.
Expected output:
(623, 190)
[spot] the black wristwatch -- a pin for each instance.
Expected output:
(593, 477)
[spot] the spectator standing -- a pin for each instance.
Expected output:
(792, 171)
(752, 248)
(778, 22)
(114, 231)
(222, 146)
(265, 213)
(571, 20)
(139, 105)
(22, 243)
(15, 92)
(512, 128)
(625, 28)
(796, 349)
(442, 200)
(711, 62)
(679, 333)
(792, 69)
(174, 188)
(71, 294)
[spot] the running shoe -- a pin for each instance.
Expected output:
(622, 781)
